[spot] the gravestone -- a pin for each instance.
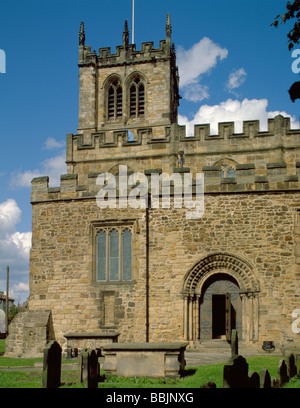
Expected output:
(234, 343)
(2, 321)
(52, 365)
(275, 383)
(265, 379)
(235, 373)
(298, 364)
(282, 373)
(88, 369)
(292, 369)
(82, 366)
(254, 380)
(93, 371)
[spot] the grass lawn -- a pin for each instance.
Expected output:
(194, 376)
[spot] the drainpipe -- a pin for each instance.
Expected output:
(147, 268)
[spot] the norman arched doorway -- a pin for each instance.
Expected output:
(220, 308)
(221, 293)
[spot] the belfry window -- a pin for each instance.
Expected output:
(114, 100)
(114, 255)
(137, 98)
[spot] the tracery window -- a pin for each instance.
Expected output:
(114, 100)
(228, 167)
(137, 97)
(114, 254)
(228, 170)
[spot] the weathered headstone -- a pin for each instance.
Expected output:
(282, 373)
(93, 371)
(275, 383)
(265, 379)
(298, 365)
(83, 366)
(292, 369)
(88, 369)
(2, 321)
(234, 343)
(52, 365)
(235, 373)
(254, 380)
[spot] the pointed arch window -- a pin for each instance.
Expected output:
(114, 100)
(137, 97)
(114, 255)
(228, 171)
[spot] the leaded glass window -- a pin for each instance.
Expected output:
(101, 256)
(114, 254)
(126, 255)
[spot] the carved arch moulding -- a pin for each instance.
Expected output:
(240, 269)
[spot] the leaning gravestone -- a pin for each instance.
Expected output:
(52, 365)
(282, 373)
(235, 374)
(265, 379)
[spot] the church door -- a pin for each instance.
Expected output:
(220, 308)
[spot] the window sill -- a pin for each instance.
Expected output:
(108, 283)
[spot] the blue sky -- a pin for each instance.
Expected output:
(233, 66)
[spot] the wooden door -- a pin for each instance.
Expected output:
(228, 316)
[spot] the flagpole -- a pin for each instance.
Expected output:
(132, 21)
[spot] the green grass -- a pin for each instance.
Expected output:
(193, 377)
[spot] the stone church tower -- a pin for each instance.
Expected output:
(151, 273)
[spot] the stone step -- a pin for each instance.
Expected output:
(221, 346)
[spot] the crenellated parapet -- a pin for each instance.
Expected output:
(150, 141)
(126, 53)
(278, 126)
(246, 179)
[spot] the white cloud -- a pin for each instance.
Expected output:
(193, 63)
(199, 59)
(14, 250)
(10, 214)
(236, 79)
(195, 92)
(53, 167)
(233, 111)
(52, 143)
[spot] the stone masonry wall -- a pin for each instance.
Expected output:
(62, 275)
(258, 227)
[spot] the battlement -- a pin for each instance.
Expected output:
(251, 129)
(247, 178)
(149, 141)
(125, 53)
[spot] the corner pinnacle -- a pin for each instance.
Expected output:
(81, 34)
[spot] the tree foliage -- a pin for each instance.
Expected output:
(293, 12)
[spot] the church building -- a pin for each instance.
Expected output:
(114, 258)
